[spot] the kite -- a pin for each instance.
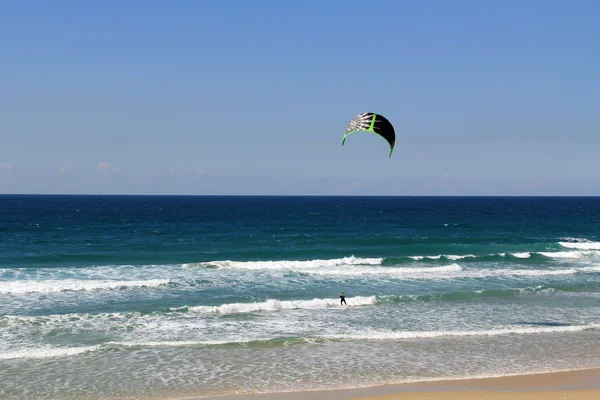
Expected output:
(371, 122)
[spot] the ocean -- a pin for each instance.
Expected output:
(152, 296)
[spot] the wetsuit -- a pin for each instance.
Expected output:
(342, 299)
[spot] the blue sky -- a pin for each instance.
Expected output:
(252, 97)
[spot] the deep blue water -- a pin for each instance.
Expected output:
(99, 295)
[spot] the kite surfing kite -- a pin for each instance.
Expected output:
(375, 123)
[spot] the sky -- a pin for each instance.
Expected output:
(253, 97)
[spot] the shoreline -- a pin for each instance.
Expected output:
(571, 384)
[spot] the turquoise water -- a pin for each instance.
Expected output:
(133, 296)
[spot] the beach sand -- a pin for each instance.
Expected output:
(567, 385)
(558, 395)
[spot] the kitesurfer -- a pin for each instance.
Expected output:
(342, 299)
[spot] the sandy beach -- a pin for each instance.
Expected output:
(573, 394)
(571, 385)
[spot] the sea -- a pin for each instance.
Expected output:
(148, 297)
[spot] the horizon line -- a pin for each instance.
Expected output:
(290, 195)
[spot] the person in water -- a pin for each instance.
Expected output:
(342, 299)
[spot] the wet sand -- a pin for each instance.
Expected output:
(570, 385)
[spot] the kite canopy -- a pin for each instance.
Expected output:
(371, 122)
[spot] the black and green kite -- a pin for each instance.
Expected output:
(372, 122)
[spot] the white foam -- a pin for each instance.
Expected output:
(571, 254)
(175, 343)
(419, 258)
(583, 250)
(446, 271)
(532, 272)
(368, 334)
(483, 273)
(521, 255)
(452, 257)
(53, 286)
(57, 320)
(595, 268)
(587, 245)
(275, 305)
(308, 264)
(395, 335)
(46, 352)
